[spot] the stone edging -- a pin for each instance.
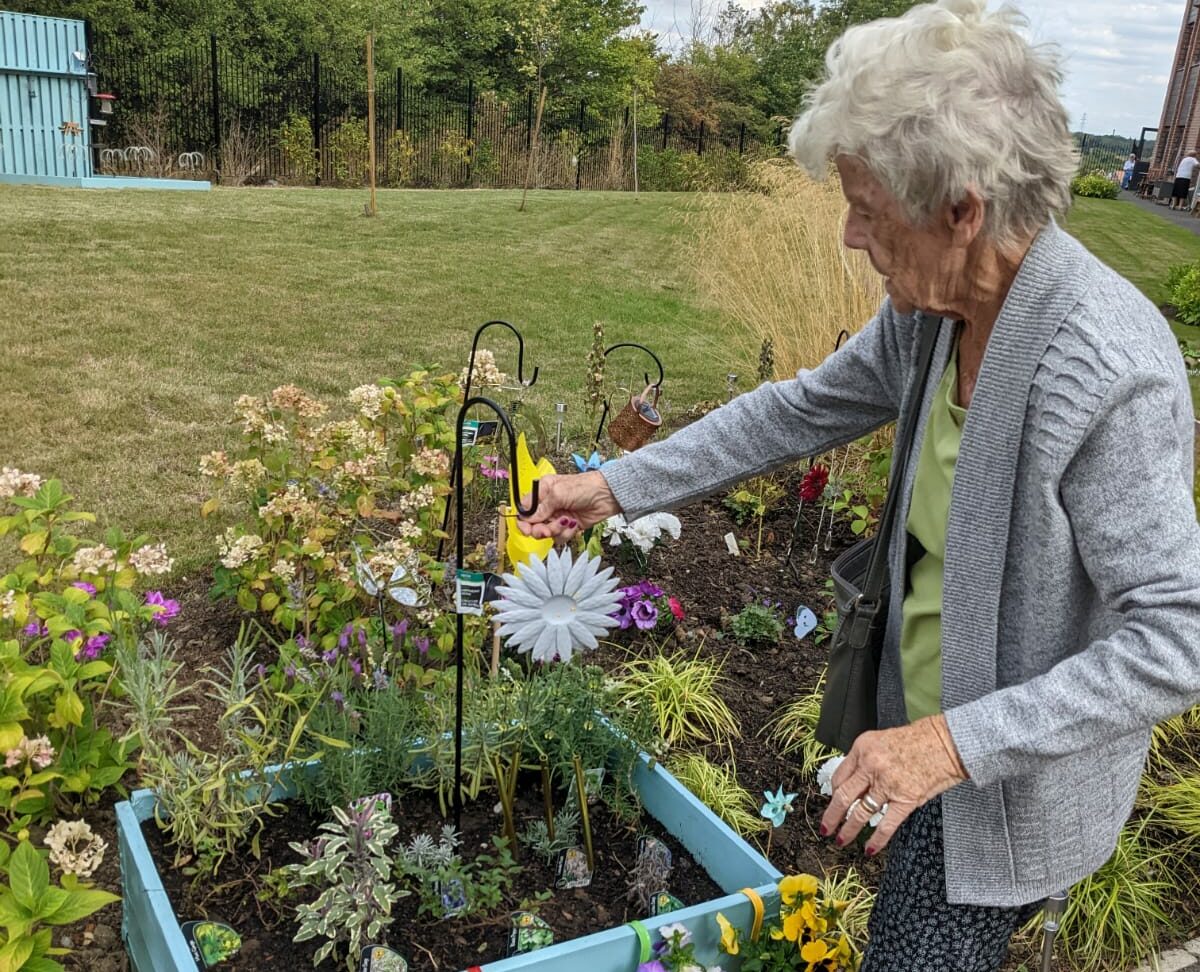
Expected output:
(1186, 957)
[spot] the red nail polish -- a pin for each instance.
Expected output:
(871, 852)
(823, 831)
(564, 522)
(841, 841)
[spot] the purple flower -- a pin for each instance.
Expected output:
(170, 607)
(35, 629)
(261, 669)
(356, 666)
(330, 656)
(93, 648)
(401, 629)
(85, 586)
(645, 615)
(653, 966)
(422, 645)
(290, 671)
(646, 589)
(622, 615)
(301, 641)
(338, 699)
(70, 636)
(362, 638)
(344, 637)
(381, 679)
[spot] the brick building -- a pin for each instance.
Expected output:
(1179, 128)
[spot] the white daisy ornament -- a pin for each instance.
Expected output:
(555, 607)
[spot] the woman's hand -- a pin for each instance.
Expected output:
(903, 767)
(568, 504)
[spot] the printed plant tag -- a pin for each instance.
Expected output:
(470, 432)
(528, 933)
(468, 592)
(806, 622)
(453, 897)
(731, 544)
(663, 902)
(572, 870)
(653, 853)
(381, 958)
(210, 942)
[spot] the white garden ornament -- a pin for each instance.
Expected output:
(644, 532)
(556, 607)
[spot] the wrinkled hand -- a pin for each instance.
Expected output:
(568, 504)
(903, 767)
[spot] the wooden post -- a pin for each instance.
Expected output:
(635, 145)
(371, 208)
(537, 128)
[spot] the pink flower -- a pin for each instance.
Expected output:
(676, 608)
(93, 648)
(85, 586)
(170, 607)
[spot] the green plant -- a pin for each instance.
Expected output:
(793, 727)
(446, 884)
(758, 624)
(400, 157)
(351, 867)
(30, 906)
(1095, 185)
(1190, 350)
(855, 901)
(566, 833)
(859, 515)
(1183, 292)
(1176, 803)
(1115, 916)
(296, 145)
(347, 149)
(717, 788)
(754, 500)
(680, 691)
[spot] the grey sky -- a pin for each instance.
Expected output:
(1118, 52)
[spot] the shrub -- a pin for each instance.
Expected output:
(296, 145)
(681, 692)
(399, 159)
(1183, 288)
(348, 151)
(1094, 185)
(758, 624)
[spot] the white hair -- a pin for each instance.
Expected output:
(946, 97)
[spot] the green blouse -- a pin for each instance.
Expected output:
(921, 622)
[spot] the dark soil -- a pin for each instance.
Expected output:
(429, 943)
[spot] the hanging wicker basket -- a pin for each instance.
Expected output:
(637, 422)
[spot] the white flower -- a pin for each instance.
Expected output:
(284, 570)
(94, 560)
(247, 473)
(215, 465)
(643, 533)
(13, 482)
(236, 551)
(151, 559)
(368, 399)
(74, 848)
(554, 607)
(8, 607)
(678, 936)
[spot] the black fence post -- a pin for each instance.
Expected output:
(399, 98)
(579, 150)
(316, 112)
(470, 126)
(216, 101)
(700, 140)
(742, 139)
(666, 129)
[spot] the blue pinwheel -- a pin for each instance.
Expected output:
(594, 461)
(777, 807)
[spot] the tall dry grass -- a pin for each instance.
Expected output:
(775, 263)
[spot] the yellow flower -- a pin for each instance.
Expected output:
(793, 925)
(808, 913)
(814, 952)
(519, 546)
(729, 935)
(797, 884)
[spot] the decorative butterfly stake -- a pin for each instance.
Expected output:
(775, 811)
(396, 588)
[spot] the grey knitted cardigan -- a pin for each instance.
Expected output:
(1071, 599)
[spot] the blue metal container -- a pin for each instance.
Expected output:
(44, 128)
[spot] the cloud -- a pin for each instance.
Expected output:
(1117, 53)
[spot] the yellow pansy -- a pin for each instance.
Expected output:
(729, 935)
(804, 885)
(812, 920)
(520, 547)
(793, 925)
(814, 952)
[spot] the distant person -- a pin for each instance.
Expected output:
(1183, 180)
(1130, 165)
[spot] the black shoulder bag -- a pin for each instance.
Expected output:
(860, 582)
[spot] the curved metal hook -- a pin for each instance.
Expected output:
(608, 401)
(520, 356)
(513, 470)
(843, 335)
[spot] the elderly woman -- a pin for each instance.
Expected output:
(1048, 577)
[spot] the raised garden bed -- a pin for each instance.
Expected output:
(155, 942)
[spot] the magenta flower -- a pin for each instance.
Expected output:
(645, 615)
(85, 586)
(71, 636)
(422, 645)
(93, 648)
(35, 629)
(169, 607)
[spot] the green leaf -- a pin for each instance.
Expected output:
(15, 954)
(858, 526)
(79, 904)
(28, 875)
(42, 964)
(68, 710)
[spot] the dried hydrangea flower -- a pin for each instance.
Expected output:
(74, 848)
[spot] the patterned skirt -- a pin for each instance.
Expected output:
(913, 928)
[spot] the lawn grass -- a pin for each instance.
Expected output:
(131, 320)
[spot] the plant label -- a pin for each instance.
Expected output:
(653, 855)
(731, 544)
(210, 942)
(474, 431)
(528, 933)
(663, 902)
(453, 897)
(381, 958)
(468, 592)
(806, 622)
(572, 870)
(593, 781)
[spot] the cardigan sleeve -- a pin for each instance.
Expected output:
(1128, 496)
(855, 390)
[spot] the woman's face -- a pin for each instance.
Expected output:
(918, 263)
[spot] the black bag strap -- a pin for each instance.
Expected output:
(872, 589)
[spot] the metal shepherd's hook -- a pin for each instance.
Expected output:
(649, 384)
(515, 478)
(467, 394)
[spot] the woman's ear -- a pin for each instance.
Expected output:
(965, 218)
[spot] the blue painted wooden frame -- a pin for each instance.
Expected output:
(156, 944)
